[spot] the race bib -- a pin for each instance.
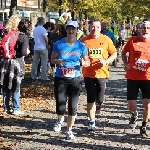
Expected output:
(140, 64)
(68, 72)
(95, 52)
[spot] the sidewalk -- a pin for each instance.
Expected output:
(33, 131)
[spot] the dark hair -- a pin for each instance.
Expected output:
(112, 22)
(24, 25)
(47, 25)
(40, 20)
(94, 20)
(52, 26)
(146, 19)
(61, 30)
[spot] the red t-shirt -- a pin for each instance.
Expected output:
(139, 59)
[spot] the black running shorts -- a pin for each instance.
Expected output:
(133, 87)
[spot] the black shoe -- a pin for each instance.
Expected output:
(133, 122)
(98, 107)
(143, 132)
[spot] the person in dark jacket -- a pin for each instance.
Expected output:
(55, 35)
(136, 30)
(13, 70)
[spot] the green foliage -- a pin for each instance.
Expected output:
(106, 9)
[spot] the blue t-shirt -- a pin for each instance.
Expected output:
(110, 35)
(71, 56)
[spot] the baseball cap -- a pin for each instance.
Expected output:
(72, 23)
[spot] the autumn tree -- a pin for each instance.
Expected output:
(105, 9)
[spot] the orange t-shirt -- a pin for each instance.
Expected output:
(139, 59)
(99, 48)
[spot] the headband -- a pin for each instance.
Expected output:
(144, 22)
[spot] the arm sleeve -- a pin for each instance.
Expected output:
(25, 44)
(111, 47)
(44, 32)
(113, 38)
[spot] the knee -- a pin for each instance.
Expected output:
(147, 106)
(60, 110)
(73, 112)
(131, 105)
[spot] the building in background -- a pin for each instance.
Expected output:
(24, 8)
(53, 15)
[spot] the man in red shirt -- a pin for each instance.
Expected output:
(137, 68)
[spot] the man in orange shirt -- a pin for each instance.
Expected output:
(137, 68)
(99, 48)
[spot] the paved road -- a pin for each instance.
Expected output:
(34, 130)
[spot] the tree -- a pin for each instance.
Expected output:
(105, 9)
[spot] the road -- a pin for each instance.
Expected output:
(34, 129)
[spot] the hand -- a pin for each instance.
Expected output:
(48, 46)
(60, 62)
(28, 51)
(82, 61)
(126, 67)
(102, 62)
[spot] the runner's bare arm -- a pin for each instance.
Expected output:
(104, 62)
(124, 57)
(85, 61)
(112, 57)
(125, 60)
(55, 60)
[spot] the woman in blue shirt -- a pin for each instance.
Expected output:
(66, 54)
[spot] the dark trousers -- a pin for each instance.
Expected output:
(63, 88)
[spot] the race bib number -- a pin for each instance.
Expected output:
(95, 52)
(68, 71)
(140, 64)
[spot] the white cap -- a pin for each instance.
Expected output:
(72, 23)
(144, 22)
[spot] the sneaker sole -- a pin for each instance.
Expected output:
(133, 126)
(70, 138)
(91, 130)
(56, 130)
(7, 113)
(17, 114)
(143, 136)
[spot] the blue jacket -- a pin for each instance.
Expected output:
(110, 35)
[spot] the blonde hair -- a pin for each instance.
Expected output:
(12, 23)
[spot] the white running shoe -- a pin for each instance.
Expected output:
(70, 136)
(17, 112)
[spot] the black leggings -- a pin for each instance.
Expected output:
(62, 89)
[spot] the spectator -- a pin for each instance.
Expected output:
(40, 50)
(122, 36)
(16, 66)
